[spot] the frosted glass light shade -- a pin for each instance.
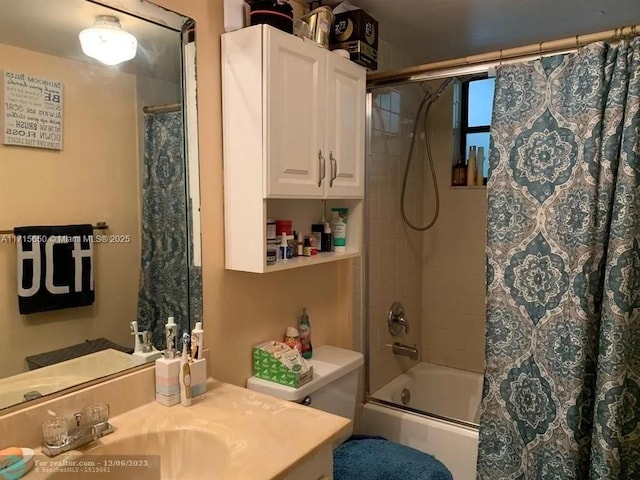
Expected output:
(107, 42)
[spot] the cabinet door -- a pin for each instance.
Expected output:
(296, 112)
(346, 97)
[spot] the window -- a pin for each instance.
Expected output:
(386, 112)
(473, 107)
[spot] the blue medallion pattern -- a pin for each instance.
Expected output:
(561, 396)
(528, 400)
(543, 157)
(536, 278)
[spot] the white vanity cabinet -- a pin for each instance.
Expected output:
(318, 466)
(293, 131)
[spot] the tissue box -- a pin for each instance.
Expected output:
(357, 32)
(276, 362)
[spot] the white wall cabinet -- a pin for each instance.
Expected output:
(294, 131)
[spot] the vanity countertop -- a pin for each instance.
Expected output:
(262, 437)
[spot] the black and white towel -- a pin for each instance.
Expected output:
(55, 267)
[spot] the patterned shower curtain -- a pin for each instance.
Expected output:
(561, 396)
(169, 283)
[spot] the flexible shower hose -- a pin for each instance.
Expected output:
(429, 100)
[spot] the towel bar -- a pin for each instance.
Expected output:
(97, 226)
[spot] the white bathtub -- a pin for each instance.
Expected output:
(445, 392)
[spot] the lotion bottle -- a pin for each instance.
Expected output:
(185, 373)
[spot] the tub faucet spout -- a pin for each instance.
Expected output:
(406, 350)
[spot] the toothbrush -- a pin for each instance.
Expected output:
(185, 372)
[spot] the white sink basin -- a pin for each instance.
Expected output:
(181, 453)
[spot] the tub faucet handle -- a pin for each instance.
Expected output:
(396, 320)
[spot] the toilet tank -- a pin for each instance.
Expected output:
(333, 389)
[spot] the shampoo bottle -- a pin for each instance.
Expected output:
(305, 335)
(480, 166)
(471, 170)
(185, 373)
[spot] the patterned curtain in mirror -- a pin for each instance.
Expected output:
(168, 281)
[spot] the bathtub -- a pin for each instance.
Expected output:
(439, 415)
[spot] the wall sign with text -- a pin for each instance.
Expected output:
(32, 111)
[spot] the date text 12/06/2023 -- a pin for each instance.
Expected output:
(10, 238)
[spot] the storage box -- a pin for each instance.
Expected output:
(278, 363)
(357, 32)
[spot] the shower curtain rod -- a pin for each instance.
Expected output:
(170, 107)
(485, 61)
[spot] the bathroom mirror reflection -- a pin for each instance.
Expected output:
(104, 140)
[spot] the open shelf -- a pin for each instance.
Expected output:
(298, 262)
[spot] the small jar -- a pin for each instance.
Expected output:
(271, 229)
(272, 254)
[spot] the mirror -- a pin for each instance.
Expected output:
(99, 191)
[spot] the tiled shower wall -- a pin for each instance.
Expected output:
(453, 283)
(394, 252)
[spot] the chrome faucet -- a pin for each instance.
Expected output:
(406, 350)
(58, 440)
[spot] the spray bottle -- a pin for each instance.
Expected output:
(305, 335)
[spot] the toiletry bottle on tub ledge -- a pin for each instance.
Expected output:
(305, 335)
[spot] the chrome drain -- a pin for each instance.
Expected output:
(406, 396)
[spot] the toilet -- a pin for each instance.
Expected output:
(334, 389)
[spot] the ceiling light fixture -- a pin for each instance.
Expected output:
(107, 42)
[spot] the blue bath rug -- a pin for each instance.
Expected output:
(374, 458)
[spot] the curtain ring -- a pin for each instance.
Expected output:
(577, 42)
(500, 59)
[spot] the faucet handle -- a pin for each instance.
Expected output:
(55, 431)
(97, 413)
